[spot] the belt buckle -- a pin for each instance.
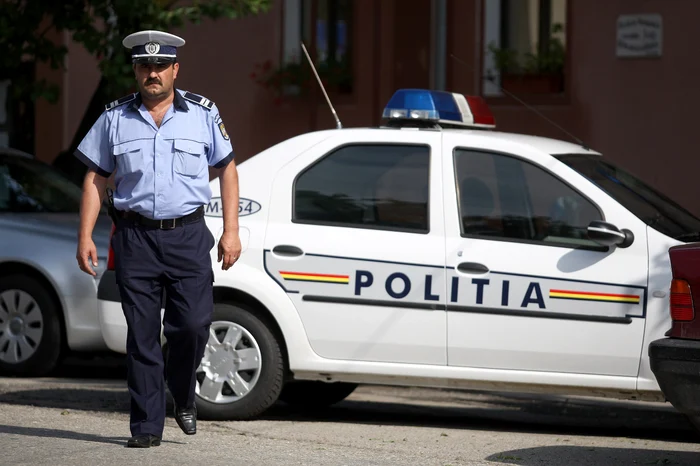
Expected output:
(168, 220)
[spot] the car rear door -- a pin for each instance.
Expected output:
(356, 238)
(527, 290)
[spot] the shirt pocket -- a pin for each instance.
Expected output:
(188, 156)
(128, 158)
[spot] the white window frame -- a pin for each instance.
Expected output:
(292, 31)
(492, 33)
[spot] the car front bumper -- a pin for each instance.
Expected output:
(676, 366)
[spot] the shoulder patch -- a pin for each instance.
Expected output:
(198, 99)
(124, 100)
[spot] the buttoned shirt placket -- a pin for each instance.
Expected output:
(161, 149)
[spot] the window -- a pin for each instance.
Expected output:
(326, 27)
(505, 197)
(27, 185)
(366, 186)
(651, 206)
(525, 46)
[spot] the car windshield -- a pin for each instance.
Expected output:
(652, 207)
(28, 185)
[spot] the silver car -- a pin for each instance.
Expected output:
(48, 306)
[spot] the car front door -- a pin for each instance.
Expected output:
(527, 289)
(356, 238)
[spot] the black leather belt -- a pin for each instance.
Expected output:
(163, 224)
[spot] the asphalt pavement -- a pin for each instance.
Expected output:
(80, 418)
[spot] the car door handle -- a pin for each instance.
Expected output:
(472, 267)
(287, 250)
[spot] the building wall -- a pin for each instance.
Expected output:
(638, 112)
(81, 80)
(641, 112)
(50, 118)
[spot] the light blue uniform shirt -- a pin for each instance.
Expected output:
(161, 172)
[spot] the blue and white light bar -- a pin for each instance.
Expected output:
(439, 107)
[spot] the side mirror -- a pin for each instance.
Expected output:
(608, 234)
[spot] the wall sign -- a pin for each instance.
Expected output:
(639, 35)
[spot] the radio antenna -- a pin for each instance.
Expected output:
(526, 105)
(335, 115)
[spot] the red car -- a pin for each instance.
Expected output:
(675, 360)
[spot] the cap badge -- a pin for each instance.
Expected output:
(152, 48)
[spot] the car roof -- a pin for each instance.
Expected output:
(547, 145)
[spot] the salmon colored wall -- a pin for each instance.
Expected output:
(642, 113)
(217, 61)
(50, 118)
(82, 78)
(384, 60)
(463, 38)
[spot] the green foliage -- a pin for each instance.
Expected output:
(297, 77)
(98, 25)
(550, 62)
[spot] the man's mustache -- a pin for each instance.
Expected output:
(153, 81)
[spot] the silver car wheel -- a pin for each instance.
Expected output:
(231, 364)
(21, 326)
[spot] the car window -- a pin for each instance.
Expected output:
(27, 185)
(504, 197)
(651, 206)
(381, 186)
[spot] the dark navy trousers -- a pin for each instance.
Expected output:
(148, 262)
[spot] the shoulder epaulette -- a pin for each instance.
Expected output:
(124, 100)
(198, 99)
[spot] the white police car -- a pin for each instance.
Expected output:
(433, 252)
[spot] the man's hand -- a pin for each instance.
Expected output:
(229, 249)
(87, 252)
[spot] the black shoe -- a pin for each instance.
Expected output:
(187, 419)
(143, 441)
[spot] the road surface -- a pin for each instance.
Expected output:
(81, 418)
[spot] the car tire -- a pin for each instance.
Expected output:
(267, 379)
(315, 394)
(22, 327)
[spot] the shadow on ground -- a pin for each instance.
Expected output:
(571, 455)
(515, 415)
(10, 431)
(93, 366)
(88, 399)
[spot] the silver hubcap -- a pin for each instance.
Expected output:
(231, 364)
(21, 326)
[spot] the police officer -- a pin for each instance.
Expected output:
(159, 143)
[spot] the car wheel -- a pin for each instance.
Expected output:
(242, 370)
(313, 394)
(30, 330)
